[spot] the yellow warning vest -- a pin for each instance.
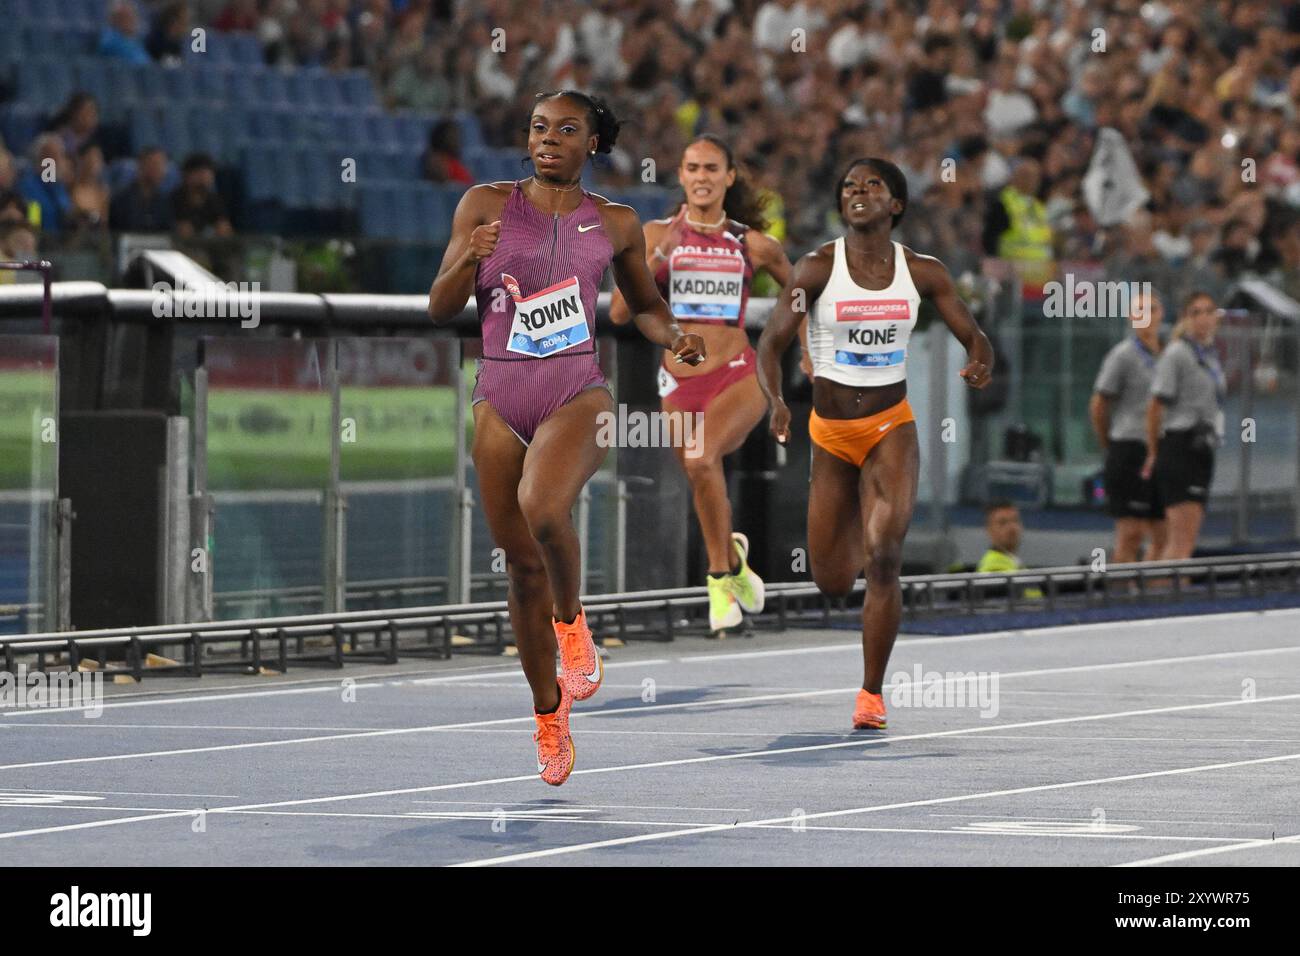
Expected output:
(1027, 242)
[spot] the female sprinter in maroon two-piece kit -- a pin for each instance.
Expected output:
(534, 253)
(864, 290)
(704, 259)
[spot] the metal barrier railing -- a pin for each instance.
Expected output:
(249, 646)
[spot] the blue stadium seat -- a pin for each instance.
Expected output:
(146, 130)
(358, 90)
(178, 85)
(19, 124)
(380, 211)
(328, 89)
(270, 87)
(11, 44)
(349, 129)
(412, 130)
(471, 131)
(214, 84)
(259, 174)
(46, 82)
(120, 173)
(380, 130)
(245, 48)
(211, 133)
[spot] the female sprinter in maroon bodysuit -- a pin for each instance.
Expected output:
(704, 259)
(533, 253)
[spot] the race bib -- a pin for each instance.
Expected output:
(546, 322)
(871, 333)
(705, 286)
(667, 383)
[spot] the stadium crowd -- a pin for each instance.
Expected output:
(992, 107)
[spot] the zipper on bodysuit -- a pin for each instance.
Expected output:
(555, 237)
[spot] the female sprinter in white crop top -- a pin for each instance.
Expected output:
(865, 290)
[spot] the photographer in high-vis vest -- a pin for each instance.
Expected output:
(1016, 228)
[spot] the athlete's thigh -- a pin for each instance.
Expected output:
(727, 422)
(499, 460)
(834, 510)
(888, 487)
(732, 415)
(564, 453)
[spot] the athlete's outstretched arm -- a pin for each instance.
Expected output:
(619, 313)
(933, 282)
(472, 240)
(808, 279)
(633, 279)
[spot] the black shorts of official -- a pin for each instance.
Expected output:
(1127, 494)
(1184, 469)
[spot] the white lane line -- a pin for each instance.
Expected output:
(100, 725)
(318, 684)
(1190, 854)
(97, 806)
(648, 708)
(1026, 816)
(1008, 833)
(4, 791)
(826, 814)
(582, 806)
(740, 755)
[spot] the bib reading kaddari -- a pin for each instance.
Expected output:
(706, 285)
(548, 321)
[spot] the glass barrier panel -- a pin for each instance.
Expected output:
(397, 469)
(268, 459)
(29, 416)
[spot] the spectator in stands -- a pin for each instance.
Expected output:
(1002, 522)
(1016, 226)
(8, 171)
(441, 162)
(1286, 242)
(13, 207)
(77, 123)
(421, 83)
(237, 16)
(45, 183)
(197, 209)
(90, 194)
(121, 38)
(167, 40)
(18, 243)
(1237, 249)
(142, 206)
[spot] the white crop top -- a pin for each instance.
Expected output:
(859, 336)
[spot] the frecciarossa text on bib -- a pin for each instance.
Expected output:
(874, 324)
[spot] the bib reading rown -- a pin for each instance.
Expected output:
(546, 322)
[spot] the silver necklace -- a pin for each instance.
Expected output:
(556, 189)
(707, 225)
